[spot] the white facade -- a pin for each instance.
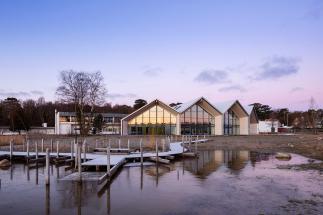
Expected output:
(65, 123)
(267, 125)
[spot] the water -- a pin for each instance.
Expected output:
(219, 182)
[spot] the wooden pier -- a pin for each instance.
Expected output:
(111, 161)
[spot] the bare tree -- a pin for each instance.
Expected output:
(81, 89)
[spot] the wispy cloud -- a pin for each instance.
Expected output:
(296, 89)
(277, 67)
(152, 71)
(20, 94)
(212, 76)
(232, 88)
(37, 92)
(118, 95)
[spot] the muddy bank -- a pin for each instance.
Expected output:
(307, 145)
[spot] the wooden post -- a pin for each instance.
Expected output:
(11, 150)
(47, 173)
(57, 148)
(27, 148)
(195, 146)
(76, 154)
(108, 161)
(119, 143)
(36, 149)
(79, 162)
(96, 143)
(84, 150)
(42, 145)
(156, 142)
(164, 145)
(141, 153)
(51, 145)
(128, 145)
(72, 149)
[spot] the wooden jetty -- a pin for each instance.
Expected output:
(112, 161)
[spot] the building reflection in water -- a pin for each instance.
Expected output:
(210, 161)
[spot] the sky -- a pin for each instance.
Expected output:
(268, 51)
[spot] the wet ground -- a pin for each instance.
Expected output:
(218, 182)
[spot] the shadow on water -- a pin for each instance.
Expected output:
(204, 185)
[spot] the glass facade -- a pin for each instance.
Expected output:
(231, 123)
(156, 120)
(197, 121)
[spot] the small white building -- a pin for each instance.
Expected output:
(66, 123)
(268, 126)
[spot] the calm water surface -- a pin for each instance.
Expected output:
(218, 182)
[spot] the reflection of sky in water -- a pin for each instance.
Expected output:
(217, 182)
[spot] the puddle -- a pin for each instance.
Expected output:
(218, 182)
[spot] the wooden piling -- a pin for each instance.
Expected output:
(11, 150)
(84, 150)
(36, 149)
(108, 161)
(57, 148)
(141, 153)
(47, 173)
(51, 146)
(156, 142)
(79, 162)
(119, 143)
(42, 145)
(129, 145)
(76, 154)
(72, 149)
(27, 149)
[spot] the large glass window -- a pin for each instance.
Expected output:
(197, 121)
(231, 123)
(156, 120)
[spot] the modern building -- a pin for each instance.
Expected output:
(65, 122)
(197, 117)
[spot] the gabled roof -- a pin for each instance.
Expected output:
(183, 107)
(225, 106)
(89, 114)
(147, 106)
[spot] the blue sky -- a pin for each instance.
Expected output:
(174, 50)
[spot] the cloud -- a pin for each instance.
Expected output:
(152, 72)
(212, 76)
(296, 89)
(20, 94)
(278, 67)
(118, 95)
(37, 92)
(232, 88)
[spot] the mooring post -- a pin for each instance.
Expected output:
(11, 150)
(76, 154)
(57, 148)
(156, 142)
(42, 145)
(84, 150)
(27, 149)
(36, 149)
(120, 143)
(72, 149)
(51, 145)
(141, 153)
(164, 145)
(79, 162)
(47, 173)
(108, 161)
(128, 145)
